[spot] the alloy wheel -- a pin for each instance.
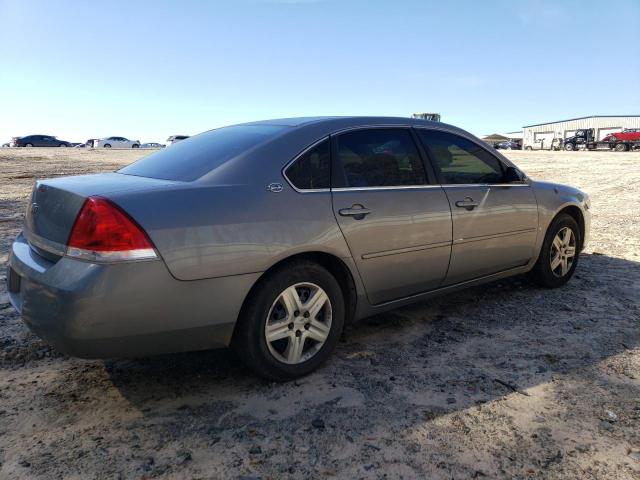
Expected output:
(298, 323)
(563, 252)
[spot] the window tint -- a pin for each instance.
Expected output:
(459, 160)
(378, 158)
(192, 158)
(311, 170)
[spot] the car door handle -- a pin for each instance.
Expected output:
(356, 211)
(467, 203)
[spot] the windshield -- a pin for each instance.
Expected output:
(190, 159)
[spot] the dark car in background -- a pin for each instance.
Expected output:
(38, 141)
(507, 145)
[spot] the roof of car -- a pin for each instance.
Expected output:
(344, 120)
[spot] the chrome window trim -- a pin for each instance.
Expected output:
(469, 185)
(388, 187)
(310, 147)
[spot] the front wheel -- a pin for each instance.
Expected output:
(559, 255)
(291, 322)
(568, 147)
(107, 145)
(135, 145)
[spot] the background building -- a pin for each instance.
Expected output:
(500, 137)
(542, 134)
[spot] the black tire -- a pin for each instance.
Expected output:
(135, 145)
(569, 147)
(542, 274)
(107, 145)
(249, 340)
(620, 147)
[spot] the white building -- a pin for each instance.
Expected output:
(542, 134)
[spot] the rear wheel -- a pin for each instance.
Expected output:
(135, 145)
(291, 322)
(620, 147)
(569, 147)
(107, 145)
(559, 255)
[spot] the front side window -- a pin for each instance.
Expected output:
(378, 158)
(310, 171)
(461, 161)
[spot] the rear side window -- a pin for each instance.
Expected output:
(310, 171)
(190, 159)
(378, 158)
(460, 161)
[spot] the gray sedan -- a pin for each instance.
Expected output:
(270, 236)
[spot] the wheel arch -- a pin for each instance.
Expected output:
(574, 212)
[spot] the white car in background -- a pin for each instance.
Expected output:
(176, 138)
(116, 142)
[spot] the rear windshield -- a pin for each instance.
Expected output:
(192, 158)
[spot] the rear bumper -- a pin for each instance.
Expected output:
(121, 310)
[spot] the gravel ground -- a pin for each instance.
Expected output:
(505, 380)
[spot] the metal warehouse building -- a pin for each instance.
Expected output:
(541, 135)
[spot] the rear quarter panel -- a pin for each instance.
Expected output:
(204, 231)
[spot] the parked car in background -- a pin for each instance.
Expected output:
(116, 142)
(6, 145)
(627, 135)
(38, 141)
(152, 145)
(538, 145)
(270, 236)
(176, 138)
(507, 145)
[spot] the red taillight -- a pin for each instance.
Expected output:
(104, 232)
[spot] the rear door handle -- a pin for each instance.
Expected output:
(356, 211)
(467, 203)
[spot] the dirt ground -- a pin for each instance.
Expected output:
(505, 380)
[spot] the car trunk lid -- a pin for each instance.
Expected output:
(55, 204)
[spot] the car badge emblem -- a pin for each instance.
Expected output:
(274, 187)
(35, 208)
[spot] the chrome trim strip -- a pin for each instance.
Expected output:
(45, 244)
(417, 248)
(108, 257)
(284, 169)
(460, 241)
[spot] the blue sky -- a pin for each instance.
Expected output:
(149, 69)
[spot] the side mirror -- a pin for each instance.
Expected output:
(512, 175)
